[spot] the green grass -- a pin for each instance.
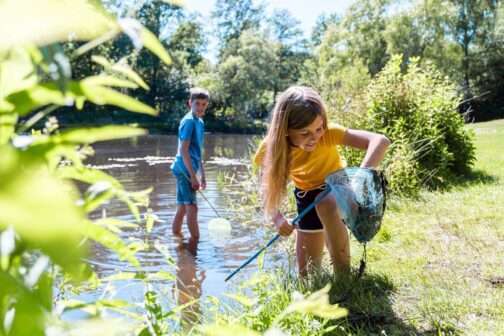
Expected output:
(435, 268)
(444, 253)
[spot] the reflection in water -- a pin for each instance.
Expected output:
(144, 163)
(188, 286)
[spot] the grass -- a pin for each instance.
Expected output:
(435, 268)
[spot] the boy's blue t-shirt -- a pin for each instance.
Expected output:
(191, 128)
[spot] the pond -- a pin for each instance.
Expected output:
(200, 268)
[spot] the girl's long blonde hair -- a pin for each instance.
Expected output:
(295, 108)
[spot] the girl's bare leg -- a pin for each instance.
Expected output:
(336, 234)
(309, 249)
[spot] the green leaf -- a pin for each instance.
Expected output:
(120, 276)
(97, 194)
(317, 304)
(101, 95)
(165, 252)
(37, 96)
(43, 22)
(242, 299)
(17, 73)
(114, 224)
(107, 80)
(7, 125)
(162, 275)
(110, 303)
(149, 223)
(120, 68)
(92, 176)
(91, 135)
(151, 218)
(40, 208)
(28, 310)
(152, 43)
(87, 175)
(111, 241)
(260, 260)
(133, 208)
(77, 92)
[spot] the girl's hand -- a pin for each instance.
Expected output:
(283, 227)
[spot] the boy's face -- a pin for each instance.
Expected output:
(307, 138)
(198, 106)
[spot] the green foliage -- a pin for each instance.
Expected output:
(363, 27)
(248, 74)
(44, 225)
(277, 307)
(340, 79)
(233, 18)
(417, 110)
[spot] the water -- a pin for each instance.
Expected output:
(200, 268)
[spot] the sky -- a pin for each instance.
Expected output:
(306, 11)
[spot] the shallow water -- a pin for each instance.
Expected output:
(200, 268)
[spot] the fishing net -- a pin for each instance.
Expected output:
(360, 195)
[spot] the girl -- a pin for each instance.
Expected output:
(300, 145)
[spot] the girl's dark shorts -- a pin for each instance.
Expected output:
(311, 221)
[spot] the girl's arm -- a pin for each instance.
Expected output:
(283, 227)
(375, 145)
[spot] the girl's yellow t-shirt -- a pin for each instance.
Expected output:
(309, 169)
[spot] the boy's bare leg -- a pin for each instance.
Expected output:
(192, 220)
(336, 234)
(309, 249)
(178, 220)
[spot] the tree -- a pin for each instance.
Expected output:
(232, 17)
(340, 79)
(323, 23)
(364, 25)
(248, 76)
(471, 23)
(290, 48)
(154, 15)
(189, 41)
(423, 31)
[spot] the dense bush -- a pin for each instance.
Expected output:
(417, 110)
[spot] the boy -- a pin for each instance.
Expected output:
(188, 163)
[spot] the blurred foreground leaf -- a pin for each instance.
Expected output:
(43, 22)
(40, 208)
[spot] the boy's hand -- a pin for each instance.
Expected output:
(195, 183)
(282, 225)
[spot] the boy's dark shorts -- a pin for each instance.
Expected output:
(311, 221)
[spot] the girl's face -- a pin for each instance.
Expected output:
(307, 137)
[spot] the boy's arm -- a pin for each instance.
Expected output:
(187, 162)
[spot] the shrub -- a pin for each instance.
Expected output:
(417, 110)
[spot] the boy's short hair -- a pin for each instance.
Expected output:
(198, 93)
